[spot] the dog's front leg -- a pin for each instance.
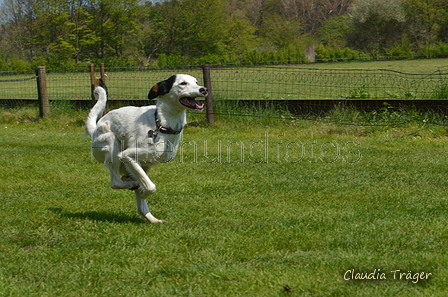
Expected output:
(129, 158)
(143, 209)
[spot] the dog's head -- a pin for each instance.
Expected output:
(181, 88)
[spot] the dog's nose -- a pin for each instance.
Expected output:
(203, 91)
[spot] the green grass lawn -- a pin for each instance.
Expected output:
(254, 207)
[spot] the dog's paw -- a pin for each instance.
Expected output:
(152, 219)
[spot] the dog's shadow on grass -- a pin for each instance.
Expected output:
(98, 216)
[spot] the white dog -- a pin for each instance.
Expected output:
(130, 140)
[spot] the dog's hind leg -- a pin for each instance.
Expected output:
(113, 164)
(105, 148)
(143, 209)
(116, 181)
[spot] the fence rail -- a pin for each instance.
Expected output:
(287, 82)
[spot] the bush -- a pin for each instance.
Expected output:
(216, 60)
(289, 54)
(11, 63)
(171, 60)
(335, 54)
(402, 50)
(434, 51)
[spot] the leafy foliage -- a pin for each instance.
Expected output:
(131, 32)
(359, 93)
(441, 92)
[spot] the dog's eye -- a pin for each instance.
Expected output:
(183, 83)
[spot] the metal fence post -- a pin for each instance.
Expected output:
(209, 98)
(42, 91)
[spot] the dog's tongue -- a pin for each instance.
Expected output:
(191, 103)
(199, 105)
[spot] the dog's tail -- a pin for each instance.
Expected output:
(97, 110)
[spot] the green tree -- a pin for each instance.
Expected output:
(280, 32)
(150, 38)
(16, 18)
(83, 35)
(204, 28)
(113, 20)
(443, 32)
(334, 31)
(241, 36)
(377, 24)
(196, 29)
(426, 20)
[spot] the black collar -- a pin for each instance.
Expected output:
(165, 130)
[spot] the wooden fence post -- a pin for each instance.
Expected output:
(209, 98)
(103, 76)
(42, 91)
(92, 82)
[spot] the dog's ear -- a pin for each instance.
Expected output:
(153, 93)
(161, 88)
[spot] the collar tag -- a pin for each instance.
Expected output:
(152, 135)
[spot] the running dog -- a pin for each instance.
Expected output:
(130, 140)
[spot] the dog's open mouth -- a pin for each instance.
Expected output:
(191, 103)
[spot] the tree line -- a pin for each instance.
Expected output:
(179, 32)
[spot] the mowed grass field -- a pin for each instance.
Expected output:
(254, 207)
(404, 79)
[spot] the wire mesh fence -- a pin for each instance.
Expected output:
(17, 85)
(231, 83)
(284, 83)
